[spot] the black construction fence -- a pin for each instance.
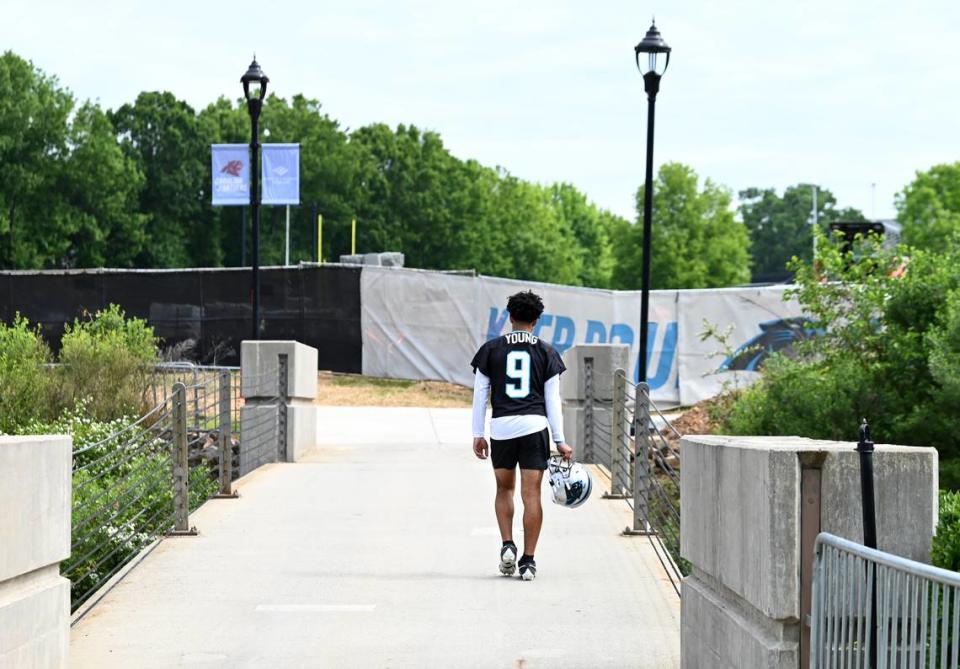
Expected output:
(316, 305)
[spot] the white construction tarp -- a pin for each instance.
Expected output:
(418, 325)
(427, 325)
(586, 316)
(753, 320)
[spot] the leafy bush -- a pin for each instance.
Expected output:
(123, 494)
(106, 361)
(889, 353)
(814, 399)
(945, 552)
(24, 382)
(77, 423)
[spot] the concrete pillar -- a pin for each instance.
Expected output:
(35, 493)
(604, 360)
(271, 408)
(750, 508)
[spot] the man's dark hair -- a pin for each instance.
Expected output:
(525, 307)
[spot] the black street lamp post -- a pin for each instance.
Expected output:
(254, 90)
(658, 58)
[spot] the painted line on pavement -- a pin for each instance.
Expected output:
(316, 608)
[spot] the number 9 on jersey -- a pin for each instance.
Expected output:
(518, 368)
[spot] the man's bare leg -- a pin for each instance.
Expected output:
(530, 480)
(506, 483)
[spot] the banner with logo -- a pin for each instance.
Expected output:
(750, 324)
(588, 316)
(230, 174)
(281, 174)
(417, 324)
(427, 325)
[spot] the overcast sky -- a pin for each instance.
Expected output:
(759, 93)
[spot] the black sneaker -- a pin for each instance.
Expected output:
(528, 570)
(508, 560)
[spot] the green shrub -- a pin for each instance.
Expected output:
(889, 352)
(122, 492)
(945, 552)
(107, 361)
(24, 382)
(816, 399)
(77, 423)
(117, 515)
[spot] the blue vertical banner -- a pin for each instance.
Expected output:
(230, 174)
(281, 174)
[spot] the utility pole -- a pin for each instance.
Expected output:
(816, 221)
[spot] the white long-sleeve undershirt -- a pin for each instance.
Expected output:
(510, 427)
(551, 392)
(481, 393)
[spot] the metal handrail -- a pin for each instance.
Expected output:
(874, 609)
(625, 439)
(927, 571)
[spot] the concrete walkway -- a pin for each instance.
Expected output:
(381, 550)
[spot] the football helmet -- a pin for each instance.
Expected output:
(570, 482)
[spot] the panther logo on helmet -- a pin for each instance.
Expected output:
(570, 482)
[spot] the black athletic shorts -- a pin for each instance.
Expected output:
(531, 451)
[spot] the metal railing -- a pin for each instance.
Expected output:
(123, 498)
(264, 418)
(626, 436)
(141, 482)
(867, 602)
(197, 378)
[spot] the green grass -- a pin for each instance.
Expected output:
(354, 381)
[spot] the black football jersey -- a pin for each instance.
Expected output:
(518, 364)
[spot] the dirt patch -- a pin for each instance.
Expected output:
(701, 418)
(704, 417)
(354, 390)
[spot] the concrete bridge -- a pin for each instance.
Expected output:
(380, 549)
(374, 545)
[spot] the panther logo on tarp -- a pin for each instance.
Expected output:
(233, 168)
(775, 337)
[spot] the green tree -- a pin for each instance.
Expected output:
(170, 146)
(226, 122)
(330, 177)
(483, 238)
(99, 188)
(33, 141)
(591, 232)
(888, 329)
(538, 243)
(131, 188)
(412, 203)
(929, 207)
(780, 226)
(696, 241)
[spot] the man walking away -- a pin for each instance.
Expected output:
(522, 373)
